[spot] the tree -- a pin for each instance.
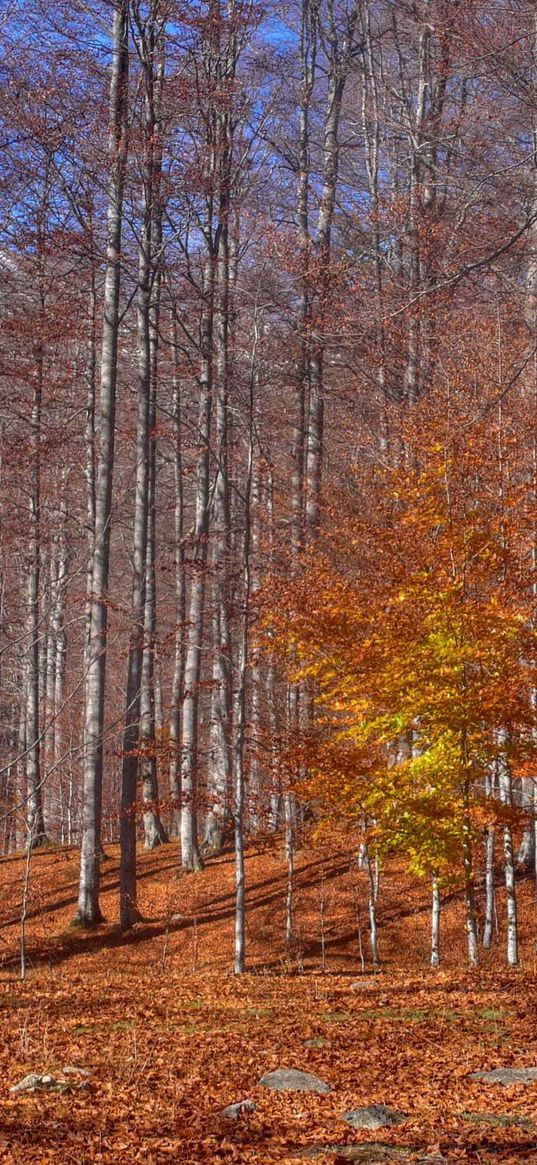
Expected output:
(420, 628)
(88, 913)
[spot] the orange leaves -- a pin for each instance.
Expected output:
(412, 618)
(169, 1048)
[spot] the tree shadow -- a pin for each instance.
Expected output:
(221, 907)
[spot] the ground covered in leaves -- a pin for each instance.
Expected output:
(170, 1036)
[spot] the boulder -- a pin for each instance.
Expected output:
(292, 1080)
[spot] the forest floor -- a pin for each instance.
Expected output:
(170, 1036)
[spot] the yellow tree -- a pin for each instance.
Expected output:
(414, 622)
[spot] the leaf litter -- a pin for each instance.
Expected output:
(165, 1038)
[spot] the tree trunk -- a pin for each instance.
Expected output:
(506, 797)
(180, 590)
(190, 856)
(88, 896)
(36, 823)
(154, 832)
(469, 898)
(489, 877)
(241, 696)
(435, 924)
(340, 53)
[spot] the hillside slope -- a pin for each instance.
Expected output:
(170, 1036)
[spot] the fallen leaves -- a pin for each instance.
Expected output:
(169, 1049)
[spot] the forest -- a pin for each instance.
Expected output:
(268, 578)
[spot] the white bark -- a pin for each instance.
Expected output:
(339, 64)
(88, 896)
(180, 588)
(372, 910)
(241, 696)
(506, 796)
(36, 824)
(489, 878)
(289, 809)
(190, 856)
(435, 924)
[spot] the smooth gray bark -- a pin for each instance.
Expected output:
(190, 855)
(220, 775)
(180, 588)
(506, 796)
(435, 924)
(154, 832)
(241, 695)
(36, 823)
(340, 57)
(490, 897)
(89, 912)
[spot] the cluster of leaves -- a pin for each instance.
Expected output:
(413, 619)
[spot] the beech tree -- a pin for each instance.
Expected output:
(420, 628)
(88, 898)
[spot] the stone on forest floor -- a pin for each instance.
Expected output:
(374, 1116)
(35, 1082)
(316, 1042)
(507, 1076)
(369, 1154)
(500, 1120)
(360, 984)
(234, 1111)
(292, 1080)
(372, 1153)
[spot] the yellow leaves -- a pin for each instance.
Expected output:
(415, 629)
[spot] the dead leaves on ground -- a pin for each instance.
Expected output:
(171, 1037)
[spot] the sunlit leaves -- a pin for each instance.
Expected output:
(413, 619)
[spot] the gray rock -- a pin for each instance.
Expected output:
(234, 1111)
(292, 1080)
(316, 1042)
(70, 1070)
(499, 1120)
(372, 1153)
(28, 1084)
(507, 1076)
(35, 1082)
(373, 1116)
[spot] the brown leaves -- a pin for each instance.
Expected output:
(169, 1049)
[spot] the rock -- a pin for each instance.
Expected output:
(70, 1070)
(361, 984)
(500, 1120)
(507, 1076)
(372, 1153)
(373, 1116)
(234, 1111)
(34, 1082)
(28, 1084)
(292, 1080)
(316, 1042)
